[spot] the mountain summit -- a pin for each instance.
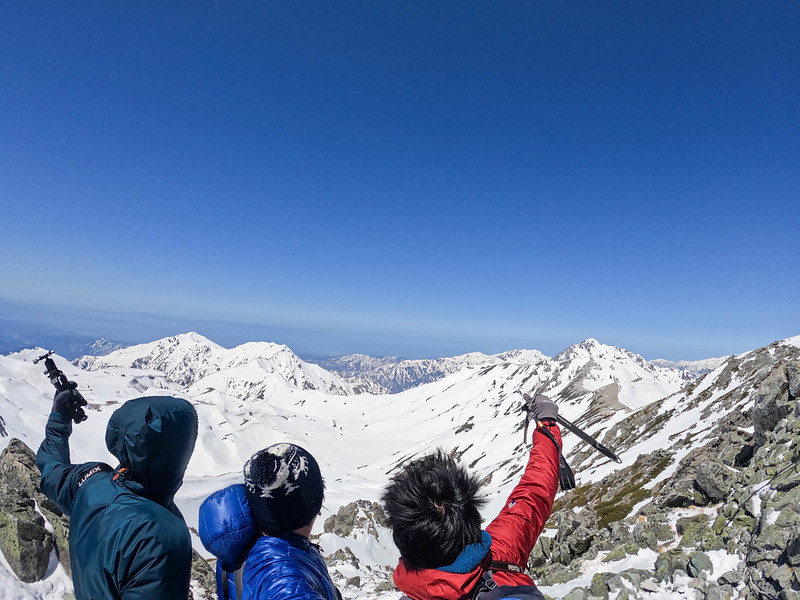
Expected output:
(189, 358)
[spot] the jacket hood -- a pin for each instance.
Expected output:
(153, 438)
(226, 526)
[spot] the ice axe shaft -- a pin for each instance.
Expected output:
(587, 438)
(571, 427)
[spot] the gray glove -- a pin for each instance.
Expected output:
(543, 409)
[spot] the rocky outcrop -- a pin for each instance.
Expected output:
(359, 521)
(736, 495)
(360, 514)
(25, 540)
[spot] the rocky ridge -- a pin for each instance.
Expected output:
(715, 512)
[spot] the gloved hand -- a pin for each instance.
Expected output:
(69, 402)
(543, 409)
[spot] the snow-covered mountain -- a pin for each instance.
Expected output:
(257, 394)
(691, 368)
(397, 374)
(189, 358)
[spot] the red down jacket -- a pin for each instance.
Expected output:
(513, 532)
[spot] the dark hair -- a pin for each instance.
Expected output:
(433, 508)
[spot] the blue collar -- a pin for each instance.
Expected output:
(471, 556)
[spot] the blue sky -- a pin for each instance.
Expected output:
(413, 178)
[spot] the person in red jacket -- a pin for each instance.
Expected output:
(433, 508)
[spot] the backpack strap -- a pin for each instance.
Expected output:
(488, 589)
(487, 583)
(566, 478)
(224, 593)
(501, 565)
(238, 579)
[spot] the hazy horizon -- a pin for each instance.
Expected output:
(63, 325)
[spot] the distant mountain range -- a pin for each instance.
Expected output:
(398, 374)
(189, 357)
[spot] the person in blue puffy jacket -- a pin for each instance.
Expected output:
(127, 539)
(259, 531)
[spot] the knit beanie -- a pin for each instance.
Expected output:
(284, 488)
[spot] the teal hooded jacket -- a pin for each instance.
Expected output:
(127, 538)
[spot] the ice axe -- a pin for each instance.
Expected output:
(571, 427)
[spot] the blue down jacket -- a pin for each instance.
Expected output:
(275, 568)
(127, 538)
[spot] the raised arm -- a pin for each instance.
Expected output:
(60, 478)
(515, 530)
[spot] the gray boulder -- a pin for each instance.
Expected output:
(24, 539)
(716, 480)
(668, 562)
(768, 545)
(699, 565)
(577, 594)
(793, 548)
(18, 470)
(773, 398)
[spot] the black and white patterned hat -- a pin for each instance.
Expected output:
(284, 488)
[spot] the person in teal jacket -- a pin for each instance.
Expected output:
(127, 539)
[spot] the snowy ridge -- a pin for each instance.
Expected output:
(397, 374)
(189, 358)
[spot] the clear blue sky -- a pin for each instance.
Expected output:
(436, 177)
